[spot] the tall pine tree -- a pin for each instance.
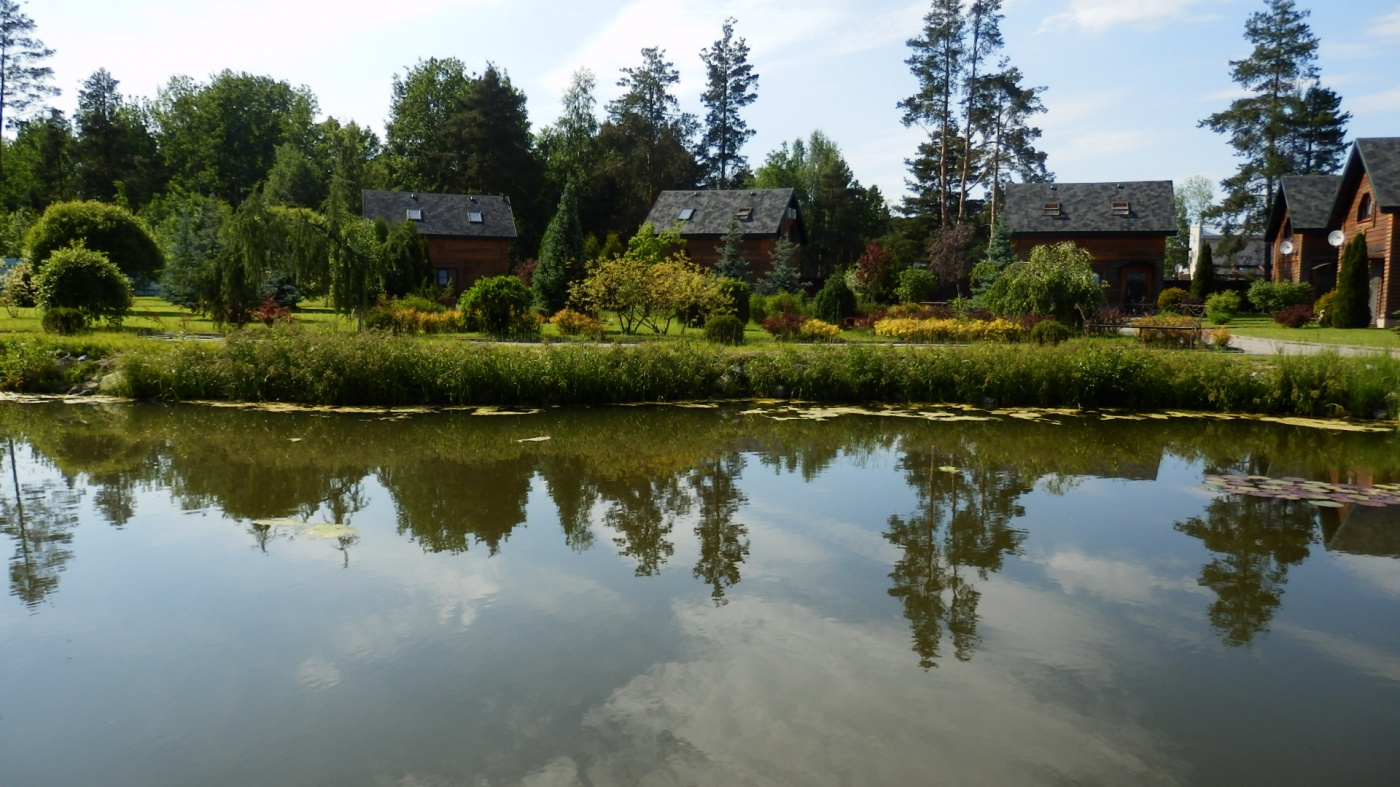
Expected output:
(1287, 125)
(731, 87)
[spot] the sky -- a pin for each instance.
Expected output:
(1126, 81)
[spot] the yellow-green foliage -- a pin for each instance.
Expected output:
(815, 330)
(949, 331)
(575, 323)
(1169, 330)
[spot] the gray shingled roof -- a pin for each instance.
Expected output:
(1308, 199)
(1381, 155)
(1087, 208)
(446, 215)
(713, 210)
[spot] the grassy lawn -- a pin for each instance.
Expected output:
(1265, 328)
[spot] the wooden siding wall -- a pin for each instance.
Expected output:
(1311, 249)
(758, 251)
(470, 258)
(1113, 259)
(1381, 246)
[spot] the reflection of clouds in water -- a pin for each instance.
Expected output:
(1347, 652)
(775, 694)
(316, 674)
(1381, 573)
(1113, 580)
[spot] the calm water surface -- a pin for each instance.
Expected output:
(690, 596)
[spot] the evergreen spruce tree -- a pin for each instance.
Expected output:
(1351, 306)
(731, 88)
(731, 263)
(1000, 253)
(560, 263)
(783, 276)
(1203, 281)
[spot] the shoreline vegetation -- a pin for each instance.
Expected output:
(383, 370)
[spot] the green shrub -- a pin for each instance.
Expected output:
(916, 285)
(725, 329)
(1169, 330)
(17, 288)
(98, 226)
(1322, 308)
(737, 294)
(1221, 307)
(1270, 297)
(83, 279)
(763, 307)
(1351, 306)
(1057, 280)
(1049, 332)
(418, 302)
(1172, 297)
(500, 304)
(835, 302)
(64, 320)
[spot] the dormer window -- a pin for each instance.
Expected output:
(744, 214)
(1367, 209)
(475, 218)
(414, 214)
(1122, 208)
(1051, 209)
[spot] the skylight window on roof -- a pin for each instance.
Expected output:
(414, 214)
(687, 214)
(1051, 209)
(475, 218)
(744, 214)
(1122, 208)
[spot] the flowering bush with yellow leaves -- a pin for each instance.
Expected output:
(949, 331)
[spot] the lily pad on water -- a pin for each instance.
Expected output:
(329, 530)
(540, 439)
(1317, 493)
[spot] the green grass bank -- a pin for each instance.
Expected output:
(383, 370)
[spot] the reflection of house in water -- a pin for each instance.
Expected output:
(1357, 530)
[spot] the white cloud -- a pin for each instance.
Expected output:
(1114, 580)
(1098, 16)
(1357, 655)
(1387, 101)
(1387, 26)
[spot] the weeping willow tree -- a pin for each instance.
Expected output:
(257, 240)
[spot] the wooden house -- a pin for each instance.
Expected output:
(1368, 200)
(1124, 226)
(1299, 217)
(764, 216)
(469, 235)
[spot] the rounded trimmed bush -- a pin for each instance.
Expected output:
(1221, 307)
(738, 294)
(1050, 332)
(835, 302)
(64, 320)
(110, 229)
(500, 304)
(916, 285)
(1172, 297)
(725, 329)
(83, 279)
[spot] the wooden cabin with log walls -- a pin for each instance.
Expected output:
(1368, 201)
(469, 235)
(1298, 228)
(704, 218)
(1124, 226)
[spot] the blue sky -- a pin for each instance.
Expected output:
(1126, 80)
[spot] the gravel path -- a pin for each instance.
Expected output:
(1254, 346)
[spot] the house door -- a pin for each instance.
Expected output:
(1134, 286)
(1377, 278)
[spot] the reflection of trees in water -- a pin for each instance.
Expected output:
(644, 511)
(962, 532)
(445, 505)
(723, 542)
(40, 518)
(1255, 541)
(574, 496)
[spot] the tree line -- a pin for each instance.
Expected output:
(205, 148)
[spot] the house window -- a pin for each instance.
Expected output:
(1122, 209)
(446, 277)
(475, 218)
(686, 214)
(414, 214)
(1051, 209)
(1367, 209)
(744, 214)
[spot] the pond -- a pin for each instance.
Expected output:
(755, 594)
